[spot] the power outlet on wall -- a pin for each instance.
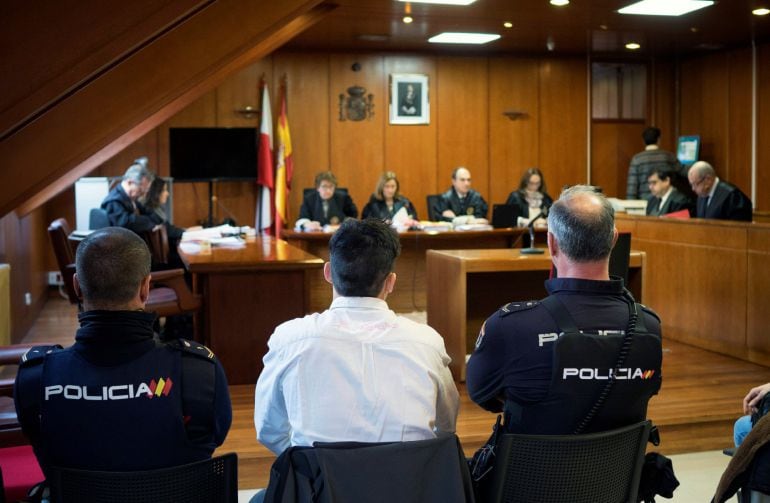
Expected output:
(54, 278)
(28, 299)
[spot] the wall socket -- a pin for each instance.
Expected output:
(54, 278)
(28, 299)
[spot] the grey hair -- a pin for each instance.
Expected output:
(136, 172)
(702, 168)
(111, 264)
(583, 233)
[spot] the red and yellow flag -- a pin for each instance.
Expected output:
(284, 167)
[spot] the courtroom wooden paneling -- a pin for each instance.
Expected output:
(613, 144)
(356, 154)
(738, 135)
(758, 295)
(704, 98)
(49, 65)
(411, 150)
(24, 244)
(513, 144)
(698, 280)
(763, 128)
(309, 111)
(663, 102)
(563, 121)
(463, 120)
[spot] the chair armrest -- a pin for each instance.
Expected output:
(174, 279)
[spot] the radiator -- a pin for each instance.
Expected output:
(5, 304)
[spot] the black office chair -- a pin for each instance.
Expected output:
(604, 466)
(432, 200)
(309, 190)
(421, 471)
(98, 218)
(620, 256)
(212, 480)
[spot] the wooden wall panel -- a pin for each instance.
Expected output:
(513, 144)
(704, 99)
(23, 244)
(410, 150)
(463, 121)
(663, 104)
(738, 134)
(763, 128)
(758, 298)
(309, 109)
(356, 147)
(563, 122)
(613, 144)
(707, 309)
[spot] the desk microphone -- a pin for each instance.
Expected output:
(531, 226)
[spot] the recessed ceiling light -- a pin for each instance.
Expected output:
(408, 19)
(665, 7)
(449, 37)
(442, 2)
(761, 11)
(559, 3)
(508, 24)
(633, 46)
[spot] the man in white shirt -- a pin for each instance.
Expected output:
(356, 372)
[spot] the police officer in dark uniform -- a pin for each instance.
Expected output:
(587, 358)
(460, 200)
(118, 399)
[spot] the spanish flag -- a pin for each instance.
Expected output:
(284, 167)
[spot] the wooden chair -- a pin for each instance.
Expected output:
(604, 466)
(157, 242)
(10, 429)
(169, 294)
(212, 480)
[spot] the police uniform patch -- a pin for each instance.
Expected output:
(515, 307)
(36, 354)
(193, 348)
(481, 335)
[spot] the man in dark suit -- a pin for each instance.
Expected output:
(460, 200)
(326, 205)
(716, 198)
(665, 198)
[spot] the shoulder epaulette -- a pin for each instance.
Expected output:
(516, 307)
(649, 310)
(193, 348)
(36, 354)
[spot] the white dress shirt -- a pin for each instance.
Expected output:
(356, 372)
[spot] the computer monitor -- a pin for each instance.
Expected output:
(687, 149)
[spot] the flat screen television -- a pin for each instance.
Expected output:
(687, 149)
(202, 153)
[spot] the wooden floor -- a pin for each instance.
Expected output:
(700, 400)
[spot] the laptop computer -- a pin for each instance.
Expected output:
(504, 215)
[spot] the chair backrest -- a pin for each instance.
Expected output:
(309, 190)
(604, 466)
(98, 218)
(421, 471)
(432, 200)
(209, 481)
(59, 232)
(620, 256)
(157, 242)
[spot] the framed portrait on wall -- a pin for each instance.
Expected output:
(409, 99)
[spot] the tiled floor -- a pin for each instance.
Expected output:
(698, 475)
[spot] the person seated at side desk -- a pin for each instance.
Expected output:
(387, 201)
(665, 197)
(717, 199)
(325, 206)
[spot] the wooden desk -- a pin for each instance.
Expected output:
(490, 278)
(247, 292)
(410, 292)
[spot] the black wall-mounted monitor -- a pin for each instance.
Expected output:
(213, 154)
